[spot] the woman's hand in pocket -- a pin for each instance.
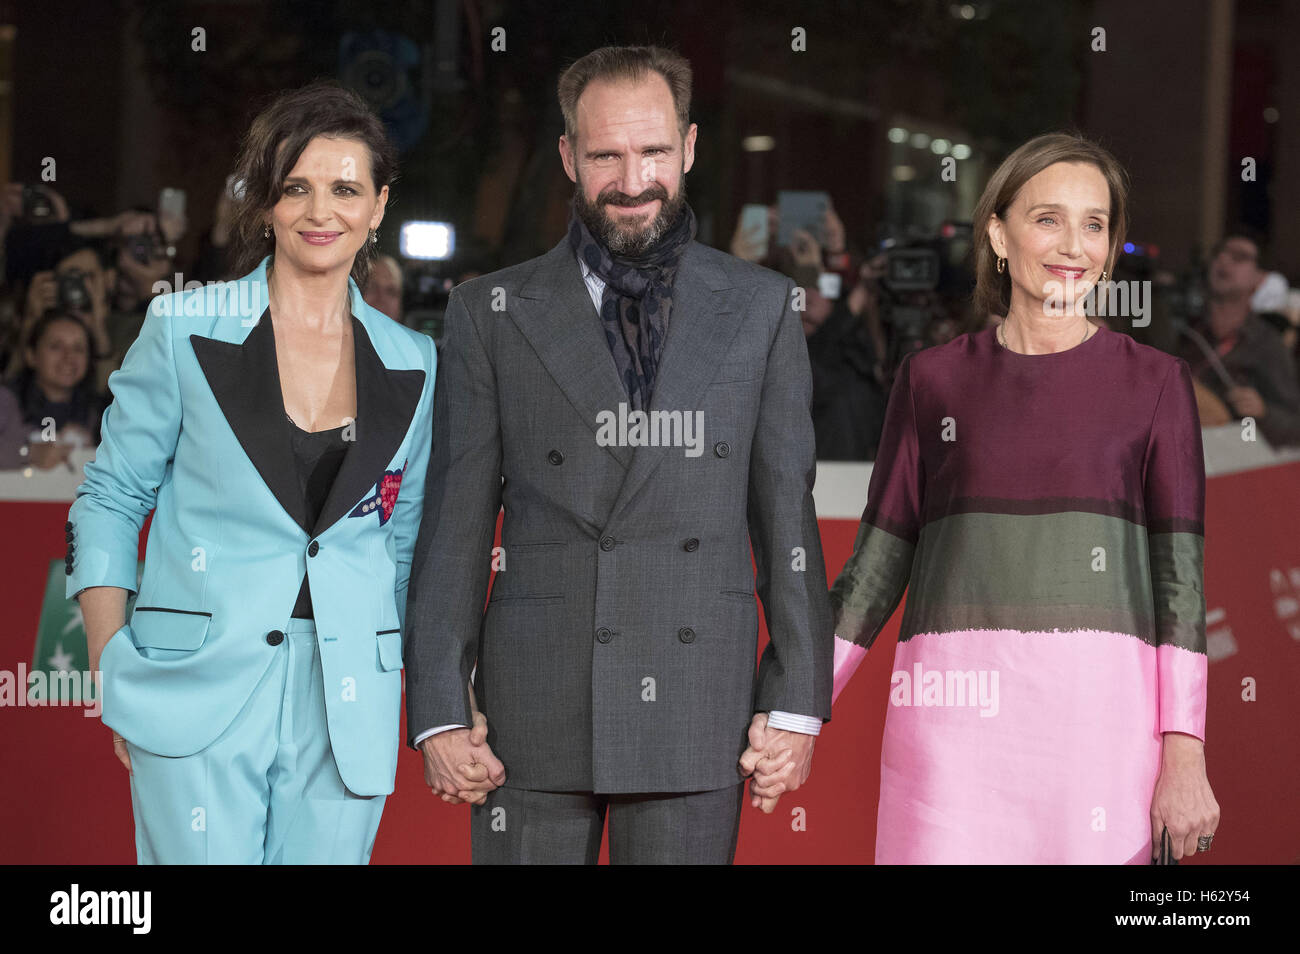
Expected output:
(119, 749)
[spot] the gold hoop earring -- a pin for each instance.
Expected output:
(1002, 264)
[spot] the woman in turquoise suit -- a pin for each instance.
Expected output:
(279, 428)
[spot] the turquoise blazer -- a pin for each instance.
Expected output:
(197, 433)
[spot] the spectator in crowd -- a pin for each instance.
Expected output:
(384, 290)
(841, 328)
(1279, 305)
(213, 263)
(848, 395)
(144, 268)
(52, 406)
(77, 286)
(1244, 346)
(58, 263)
(14, 452)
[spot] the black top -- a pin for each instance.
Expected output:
(319, 455)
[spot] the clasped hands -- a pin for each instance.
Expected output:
(776, 762)
(459, 765)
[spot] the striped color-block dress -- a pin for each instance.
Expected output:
(1045, 514)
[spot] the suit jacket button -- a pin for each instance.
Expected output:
(722, 449)
(275, 637)
(691, 545)
(607, 543)
(313, 549)
(555, 457)
(604, 634)
(686, 634)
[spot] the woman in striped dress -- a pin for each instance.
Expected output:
(1040, 490)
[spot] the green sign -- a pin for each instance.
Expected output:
(60, 652)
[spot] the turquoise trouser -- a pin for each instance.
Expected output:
(266, 791)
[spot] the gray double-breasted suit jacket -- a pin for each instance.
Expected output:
(616, 652)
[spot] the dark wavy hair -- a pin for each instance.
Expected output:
(993, 290)
(86, 401)
(271, 147)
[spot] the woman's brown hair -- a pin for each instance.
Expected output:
(276, 139)
(993, 290)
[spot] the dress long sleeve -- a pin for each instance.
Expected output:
(1174, 497)
(870, 586)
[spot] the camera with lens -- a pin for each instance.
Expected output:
(36, 205)
(424, 300)
(146, 247)
(921, 276)
(73, 294)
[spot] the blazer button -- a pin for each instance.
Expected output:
(555, 457)
(722, 449)
(275, 637)
(607, 543)
(67, 570)
(691, 545)
(313, 549)
(686, 634)
(68, 535)
(604, 635)
(68, 526)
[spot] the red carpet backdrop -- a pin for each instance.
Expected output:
(65, 797)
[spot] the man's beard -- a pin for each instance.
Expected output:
(632, 238)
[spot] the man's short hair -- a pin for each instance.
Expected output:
(626, 63)
(1254, 236)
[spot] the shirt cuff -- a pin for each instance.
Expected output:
(442, 728)
(808, 725)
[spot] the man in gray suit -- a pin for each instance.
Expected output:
(639, 403)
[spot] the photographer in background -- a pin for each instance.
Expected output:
(110, 301)
(848, 396)
(52, 261)
(145, 256)
(757, 243)
(78, 286)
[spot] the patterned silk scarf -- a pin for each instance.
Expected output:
(637, 300)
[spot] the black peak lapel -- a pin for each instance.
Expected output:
(386, 402)
(245, 379)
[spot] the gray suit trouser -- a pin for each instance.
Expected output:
(520, 826)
